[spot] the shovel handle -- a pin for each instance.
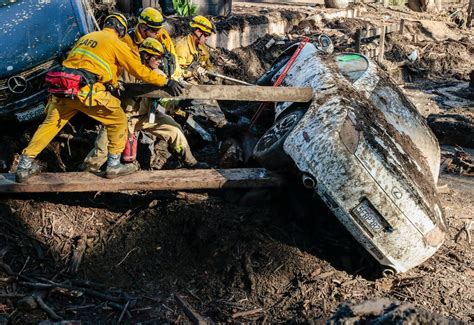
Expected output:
(218, 75)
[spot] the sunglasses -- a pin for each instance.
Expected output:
(153, 30)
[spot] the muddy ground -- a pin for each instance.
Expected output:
(260, 256)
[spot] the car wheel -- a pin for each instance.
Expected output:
(269, 149)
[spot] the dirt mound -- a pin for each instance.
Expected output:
(249, 63)
(435, 60)
(286, 258)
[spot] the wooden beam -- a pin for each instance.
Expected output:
(382, 44)
(226, 92)
(357, 40)
(177, 179)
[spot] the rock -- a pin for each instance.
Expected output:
(231, 154)
(27, 303)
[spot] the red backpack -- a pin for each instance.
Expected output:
(66, 82)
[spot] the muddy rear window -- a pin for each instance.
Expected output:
(351, 65)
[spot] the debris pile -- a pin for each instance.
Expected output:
(435, 60)
(459, 162)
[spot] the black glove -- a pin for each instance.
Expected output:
(168, 64)
(175, 87)
(116, 91)
(185, 103)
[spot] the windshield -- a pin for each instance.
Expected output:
(34, 31)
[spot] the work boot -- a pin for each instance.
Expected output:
(27, 167)
(86, 167)
(116, 169)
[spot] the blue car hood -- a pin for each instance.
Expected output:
(33, 31)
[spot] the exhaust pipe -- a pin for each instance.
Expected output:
(388, 272)
(308, 181)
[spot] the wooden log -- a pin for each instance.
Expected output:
(226, 92)
(358, 39)
(178, 179)
(402, 26)
(382, 44)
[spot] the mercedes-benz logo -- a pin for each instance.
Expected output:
(17, 84)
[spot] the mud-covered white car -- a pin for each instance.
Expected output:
(366, 151)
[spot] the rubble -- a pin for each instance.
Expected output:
(269, 255)
(459, 163)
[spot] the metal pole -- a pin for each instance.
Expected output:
(217, 75)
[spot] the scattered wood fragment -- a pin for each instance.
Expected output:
(77, 255)
(51, 313)
(123, 312)
(326, 274)
(250, 276)
(465, 230)
(247, 313)
(195, 317)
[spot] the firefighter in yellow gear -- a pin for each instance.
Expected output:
(101, 54)
(191, 50)
(144, 115)
(150, 24)
(194, 61)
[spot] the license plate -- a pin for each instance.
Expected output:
(370, 218)
(31, 114)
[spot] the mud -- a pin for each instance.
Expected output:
(235, 256)
(440, 60)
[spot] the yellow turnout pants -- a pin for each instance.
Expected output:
(164, 128)
(106, 110)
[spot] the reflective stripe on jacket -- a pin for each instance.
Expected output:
(103, 52)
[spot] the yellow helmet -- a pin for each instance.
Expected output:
(151, 17)
(118, 22)
(152, 46)
(204, 24)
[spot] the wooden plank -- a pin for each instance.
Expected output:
(177, 179)
(226, 92)
(382, 45)
(357, 40)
